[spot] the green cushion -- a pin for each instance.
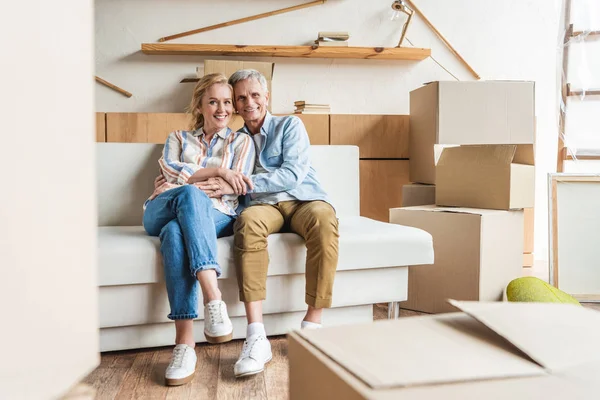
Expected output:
(531, 289)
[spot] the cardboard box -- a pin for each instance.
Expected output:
(493, 112)
(477, 253)
(490, 351)
(229, 67)
(500, 177)
(416, 194)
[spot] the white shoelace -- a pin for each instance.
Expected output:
(249, 345)
(178, 356)
(214, 312)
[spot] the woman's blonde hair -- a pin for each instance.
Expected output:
(199, 91)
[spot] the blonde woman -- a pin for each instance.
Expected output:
(188, 222)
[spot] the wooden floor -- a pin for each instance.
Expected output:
(139, 374)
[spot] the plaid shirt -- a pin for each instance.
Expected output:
(186, 152)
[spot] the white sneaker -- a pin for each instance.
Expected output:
(255, 354)
(182, 366)
(217, 325)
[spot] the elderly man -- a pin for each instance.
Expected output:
(287, 197)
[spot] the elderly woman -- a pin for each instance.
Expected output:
(188, 222)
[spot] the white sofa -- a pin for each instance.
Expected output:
(133, 303)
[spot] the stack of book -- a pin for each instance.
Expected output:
(303, 107)
(333, 39)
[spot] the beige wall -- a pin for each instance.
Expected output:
(48, 340)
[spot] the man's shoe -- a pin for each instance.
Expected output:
(255, 354)
(182, 366)
(217, 325)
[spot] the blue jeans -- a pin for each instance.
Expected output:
(188, 227)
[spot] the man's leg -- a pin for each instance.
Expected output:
(252, 229)
(317, 223)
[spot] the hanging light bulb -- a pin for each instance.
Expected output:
(400, 7)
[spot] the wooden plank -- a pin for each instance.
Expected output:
(588, 34)
(111, 372)
(113, 87)
(205, 383)
(317, 126)
(242, 20)
(100, 127)
(135, 376)
(277, 371)
(229, 387)
(381, 187)
(528, 230)
(377, 136)
(379, 53)
(443, 39)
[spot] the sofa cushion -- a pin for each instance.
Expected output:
(127, 255)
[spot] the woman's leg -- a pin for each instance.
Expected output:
(192, 208)
(208, 278)
(182, 288)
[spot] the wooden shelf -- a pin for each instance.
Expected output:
(379, 53)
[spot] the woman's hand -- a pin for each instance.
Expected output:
(238, 181)
(159, 181)
(215, 187)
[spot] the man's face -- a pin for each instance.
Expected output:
(251, 100)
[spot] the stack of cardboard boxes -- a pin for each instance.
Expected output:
(472, 164)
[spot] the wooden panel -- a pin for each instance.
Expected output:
(160, 125)
(377, 136)
(155, 127)
(317, 126)
(143, 127)
(527, 260)
(528, 231)
(100, 127)
(381, 187)
(126, 127)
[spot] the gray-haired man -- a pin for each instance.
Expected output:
(286, 197)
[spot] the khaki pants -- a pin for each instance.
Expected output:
(315, 221)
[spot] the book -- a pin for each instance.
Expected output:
(329, 36)
(331, 44)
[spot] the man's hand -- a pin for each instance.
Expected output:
(159, 181)
(215, 187)
(238, 181)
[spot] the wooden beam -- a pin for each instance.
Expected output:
(588, 34)
(380, 53)
(580, 92)
(242, 20)
(443, 39)
(113, 87)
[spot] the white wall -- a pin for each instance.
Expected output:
(512, 39)
(49, 338)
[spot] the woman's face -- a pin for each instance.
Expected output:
(216, 108)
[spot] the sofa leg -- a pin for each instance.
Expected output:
(393, 310)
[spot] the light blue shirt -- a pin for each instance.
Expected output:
(285, 158)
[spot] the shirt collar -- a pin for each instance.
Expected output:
(265, 126)
(223, 133)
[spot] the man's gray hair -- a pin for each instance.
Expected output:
(243, 74)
